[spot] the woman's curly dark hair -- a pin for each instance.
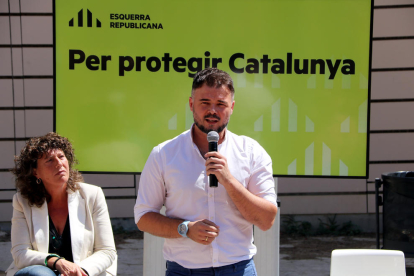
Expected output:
(27, 161)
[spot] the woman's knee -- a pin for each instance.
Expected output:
(35, 270)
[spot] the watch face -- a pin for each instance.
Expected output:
(182, 229)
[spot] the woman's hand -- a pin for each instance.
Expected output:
(67, 268)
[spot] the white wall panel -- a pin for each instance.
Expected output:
(154, 263)
(371, 204)
(332, 204)
(7, 195)
(153, 260)
(16, 36)
(371, 186)
(110, 180)
(6, 180)
(389, 116)
(392, 2)
(391, 146)
(6, 155)
(393, 53)
(19, 146)
(6, 124)
(14, 5)
(4, 6)
(120, 192)
(38, 92)
(312, 185)
(6, 95)
(4, 29)
(375, 170)
(267, 242)
(17, 61)
(38, 61)
(19, 119)
(38, 122)
(384, 116)
(6, 211)
(36, 6)
(121, 208)
(393, 22)
(37, 29)
(18, 95)
(392, 85)
(5, 64)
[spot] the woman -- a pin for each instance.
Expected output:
(60, 226)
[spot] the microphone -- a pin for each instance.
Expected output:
(212, 138)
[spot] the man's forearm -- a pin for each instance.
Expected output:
(159, 225)
(254, 209)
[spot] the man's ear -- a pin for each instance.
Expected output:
(232, 107)
(190, 102)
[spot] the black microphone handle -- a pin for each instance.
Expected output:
(212, 146)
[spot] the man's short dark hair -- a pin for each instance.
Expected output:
(213, 77)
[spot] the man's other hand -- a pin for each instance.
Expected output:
(203, 231)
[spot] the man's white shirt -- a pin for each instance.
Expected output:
(175, 176)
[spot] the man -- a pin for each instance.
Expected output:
(207, 230)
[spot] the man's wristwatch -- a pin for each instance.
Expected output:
(183, 228)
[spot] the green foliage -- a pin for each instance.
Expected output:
(293, 227)
(331, 227)
(349, 229)
(328, 228)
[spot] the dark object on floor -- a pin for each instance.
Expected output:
(398, 211)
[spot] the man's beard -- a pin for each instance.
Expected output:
(207, 130)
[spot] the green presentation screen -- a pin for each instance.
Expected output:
(301, 70)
